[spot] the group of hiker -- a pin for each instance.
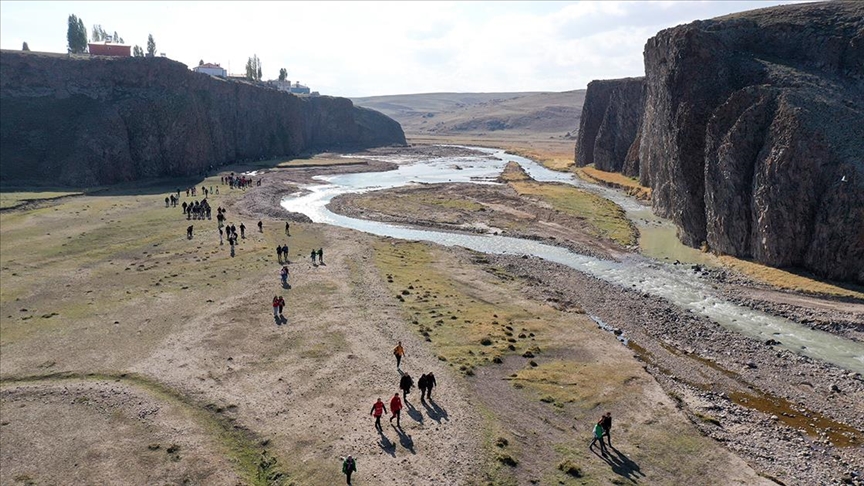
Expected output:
(426, 383)
(197, 210)
(238, 182)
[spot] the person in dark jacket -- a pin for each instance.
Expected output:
(430, 384)
(606, 423)
(422, 385)
(405, 383)
(349, 465)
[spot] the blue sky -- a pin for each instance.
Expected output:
(378, 48)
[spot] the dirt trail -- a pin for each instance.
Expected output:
(308, 385)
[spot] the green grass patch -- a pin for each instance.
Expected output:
(465, 328)
(587, 384)
(12, 199)
(605, 218)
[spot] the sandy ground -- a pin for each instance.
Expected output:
(110, 285)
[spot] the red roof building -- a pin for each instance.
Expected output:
(109, 49)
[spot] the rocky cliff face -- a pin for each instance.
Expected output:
(102, 120)
(752, 136)
(610, 121)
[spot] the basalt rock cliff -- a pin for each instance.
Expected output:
(609, 124)
(100, 120)
(752, 135)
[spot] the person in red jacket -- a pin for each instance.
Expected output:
(378, 409)
(396, 409)
(276, 306)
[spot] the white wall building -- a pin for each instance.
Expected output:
(211, 69)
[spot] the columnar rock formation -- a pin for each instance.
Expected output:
(100, 120)
(752, 136)
(610, 121)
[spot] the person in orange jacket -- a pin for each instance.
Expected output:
(398, 351)
(378, 409)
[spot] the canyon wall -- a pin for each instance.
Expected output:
(752, 135)
(610, 120)
(79, 120)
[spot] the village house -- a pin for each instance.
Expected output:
(109, 49)
(296, 88)
(211, 69)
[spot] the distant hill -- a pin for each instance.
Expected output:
(471, 113)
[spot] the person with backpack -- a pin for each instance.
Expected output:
(281, 305)
(349, 465)
(405, 384)
(598, 436)
(398, 351)
(285, 252)
(396, 409)
(279, 253)
(378, 409)
(284, 274)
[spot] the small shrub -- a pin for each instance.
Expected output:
(501, 442)
(507, 460)
(570, 469)
(486, 341)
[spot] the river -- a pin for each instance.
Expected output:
(677, 284)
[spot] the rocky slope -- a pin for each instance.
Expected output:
(610, 121)
(100, 120)
(752, 135)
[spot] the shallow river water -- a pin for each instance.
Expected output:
(677, 284)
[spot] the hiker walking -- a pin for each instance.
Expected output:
(189, 232)
(598, 436)
(279, 253)
(260, 227)
(288, 231)
(285, 253)
(242, 230)
(421, 384)
(284, 274)
(430, 384)
(396, 409)
(313, 256)
(606, 423)
(378, 409)
(348, 467)
(405, 384)
(220, 236)
(398, 351)
(320, 256)
(276, 306)
(281, 305)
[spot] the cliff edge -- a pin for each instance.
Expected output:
(752, 135)
(75, 120)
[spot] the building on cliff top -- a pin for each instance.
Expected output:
(286, 86)
(211, 69)
(109, 49)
